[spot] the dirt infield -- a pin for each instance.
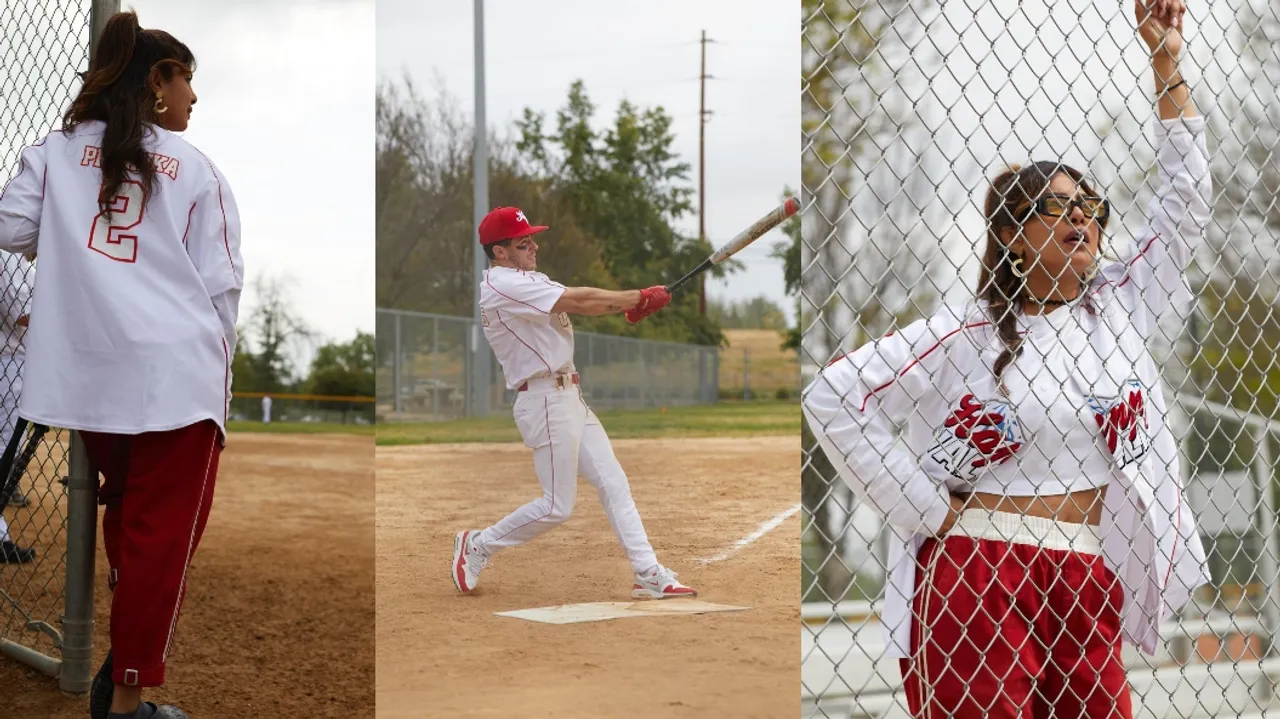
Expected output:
(439, 650)
(278, 620)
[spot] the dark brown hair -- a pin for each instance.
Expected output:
(117, 91)
(488, 249)
(1008, 206)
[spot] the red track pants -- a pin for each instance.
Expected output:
(1014, 630)
(157, 488)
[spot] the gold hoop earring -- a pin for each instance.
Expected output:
(160, 107)
(1016, 268)
(1090, 273)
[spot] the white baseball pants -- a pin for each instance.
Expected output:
(567, 439)
(10, 392)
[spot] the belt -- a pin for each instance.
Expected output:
(560, 381)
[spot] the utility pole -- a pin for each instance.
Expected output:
(702, 166)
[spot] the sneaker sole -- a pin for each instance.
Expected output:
(457, 572)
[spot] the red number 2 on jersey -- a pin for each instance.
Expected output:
(111, 237)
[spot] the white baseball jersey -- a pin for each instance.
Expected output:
(133, 323)
(1085, 408)
(528, 340)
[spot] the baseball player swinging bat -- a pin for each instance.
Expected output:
(744, 238)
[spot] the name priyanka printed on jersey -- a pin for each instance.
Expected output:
(976, 435)
(1122, 422)
(162, 164)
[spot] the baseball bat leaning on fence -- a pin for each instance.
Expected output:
(744, 238)
(13, 464)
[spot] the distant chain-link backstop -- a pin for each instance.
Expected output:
(423, 369)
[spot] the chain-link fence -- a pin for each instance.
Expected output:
(423, 369)
(49, 514)
(969, 410)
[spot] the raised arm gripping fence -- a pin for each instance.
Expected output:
(46, 604)
(910, 109)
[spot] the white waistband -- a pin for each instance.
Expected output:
(1021, 529)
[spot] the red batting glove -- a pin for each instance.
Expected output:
(651, 300)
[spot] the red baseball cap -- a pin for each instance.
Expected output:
(506, 223)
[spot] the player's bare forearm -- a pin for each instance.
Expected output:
(593, 301)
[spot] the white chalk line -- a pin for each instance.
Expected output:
(746, 541)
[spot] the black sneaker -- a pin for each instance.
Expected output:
(101, 691)
(152, 711)
(11, 553)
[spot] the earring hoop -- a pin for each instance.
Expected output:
(1016, 267)
(160, 107)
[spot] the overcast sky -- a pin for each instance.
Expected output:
(648, 53)
(289, 121)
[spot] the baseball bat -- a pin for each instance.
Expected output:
(744, 238)
(13, 463)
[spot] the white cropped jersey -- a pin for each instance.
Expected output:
(1084, 409)
(527, 338)
(132, 325)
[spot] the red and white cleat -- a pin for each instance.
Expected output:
(660, 583)
(467, 562)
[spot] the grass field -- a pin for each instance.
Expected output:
(301, 428)
(770, 367)
(726, 419)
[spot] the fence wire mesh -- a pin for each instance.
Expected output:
(43, 45)
(911, 108)
(424, 369)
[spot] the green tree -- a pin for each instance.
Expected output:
(626, 187)
(270, 339)
(424, 200)
(343, 369)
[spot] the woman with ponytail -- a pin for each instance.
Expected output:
(132, 328)
(1037, 505)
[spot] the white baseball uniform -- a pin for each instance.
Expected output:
(266, 410)
(16, 275)
(131, 331)
(535, 347)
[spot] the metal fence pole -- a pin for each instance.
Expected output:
(82, 504)
(435, 367)
(396, 367)
(1269, 557)
(82, 530)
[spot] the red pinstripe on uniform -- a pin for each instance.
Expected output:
(496, 290)
(498, 314)
(915, 361)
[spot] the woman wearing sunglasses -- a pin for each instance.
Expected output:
(1037, 503)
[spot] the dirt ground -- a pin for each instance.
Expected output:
(278, 620)
(443, 654)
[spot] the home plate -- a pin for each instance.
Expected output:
(601, 611)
